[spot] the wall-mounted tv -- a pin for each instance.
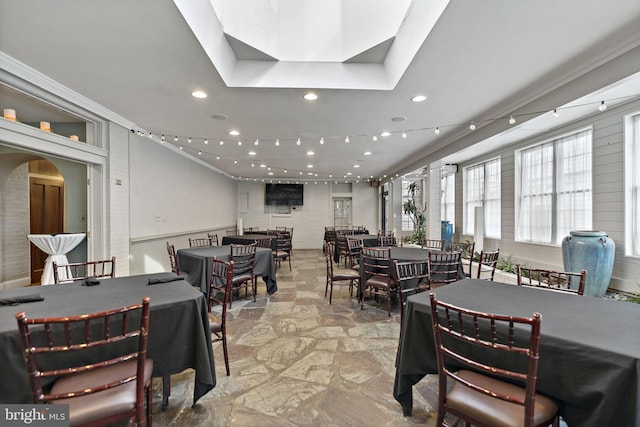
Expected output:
(284, 194)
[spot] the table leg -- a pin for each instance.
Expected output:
(166, 391)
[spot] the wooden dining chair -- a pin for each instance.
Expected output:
(199, 242)
(496, 362)
(337, 275)
(411, 277)
(231, 232)
(355, 246)
(376, 265)
(487, 263)
(443, 268)
(434, 244)
(467, 253)
(386, 241)
(264, 243)
(97, 361)
(213, 239)
(244, 258)
(342, 245)
(220, 294)
(173, 259)
(562, 281)
(83, 270)
(283, 249)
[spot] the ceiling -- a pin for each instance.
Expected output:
(481, 62)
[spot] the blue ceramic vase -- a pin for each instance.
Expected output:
(446, 233)
(594, 252)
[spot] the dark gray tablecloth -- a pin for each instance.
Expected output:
(196, 262)
(179, 335)
(589, 348)
(247, 239)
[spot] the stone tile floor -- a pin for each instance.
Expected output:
(298, 361)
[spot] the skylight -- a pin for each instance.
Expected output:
(311, 30)
(336, 44)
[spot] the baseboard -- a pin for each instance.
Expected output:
(15, 283)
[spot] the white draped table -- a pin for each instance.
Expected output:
(56, 246)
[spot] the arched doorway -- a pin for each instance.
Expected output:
(46, 209)
(38, 195)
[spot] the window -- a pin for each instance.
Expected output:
(447, 197)
(482, 188)
(632, 178)
(553, 192)
(407, 223)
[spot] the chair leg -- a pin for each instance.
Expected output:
(149, 407)
(226, 353)
(326, 286)
(166, 391)
(330, 292)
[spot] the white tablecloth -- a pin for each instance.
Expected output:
(57, 246)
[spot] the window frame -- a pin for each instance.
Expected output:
(632, 183)
(448, 197)
(555, 236)
(468, 217)
(405, 221)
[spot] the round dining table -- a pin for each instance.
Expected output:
(57, 246)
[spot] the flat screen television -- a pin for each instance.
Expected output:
(284, 194)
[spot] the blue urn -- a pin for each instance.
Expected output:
(446, 233)
(594, 252)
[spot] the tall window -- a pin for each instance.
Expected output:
(447, 197)
(407, 223)
(632, 177)
(482, 188)
(553, 193)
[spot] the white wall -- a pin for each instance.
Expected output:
(14, 227)
(309, 220)
(171, 199)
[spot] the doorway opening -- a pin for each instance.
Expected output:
(46, 209)
(342, 211)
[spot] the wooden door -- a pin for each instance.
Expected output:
(47, 217)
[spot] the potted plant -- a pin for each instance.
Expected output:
(416, 214)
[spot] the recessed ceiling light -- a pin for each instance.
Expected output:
(198, 94)
(356, 166)
(270, 173)
(385, 133)
(367, 153)
(252, 153)
(310, 153)
(309, 166)
(234, 132)
(418, 98)
(310, 96)
(263, 165)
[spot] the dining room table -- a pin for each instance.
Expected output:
(247, 239)
(179, 333)
(196, 264)
(589, 348)
(56, 246)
